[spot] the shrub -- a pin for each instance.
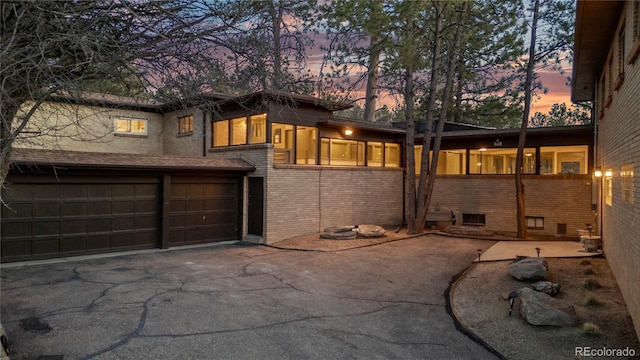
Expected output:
(591, 329)
(593, 301)
(591, 284)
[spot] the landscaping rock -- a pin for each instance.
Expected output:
(541, 309)
(339, 229)
(546, 287)
(529, 269)
(370, 231)
(345, 235)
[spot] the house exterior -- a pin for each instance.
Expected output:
(607, 72)
(99, 173)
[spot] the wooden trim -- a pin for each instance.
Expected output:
(634, 51)
(608, 101)
(166, 202)
(619, 80)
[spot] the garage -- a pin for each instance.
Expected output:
(204, 210)
(78, 215)
(61, 204)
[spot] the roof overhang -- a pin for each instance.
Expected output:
(110, 161)
(596, 23)
(345, 123)
(284, 98)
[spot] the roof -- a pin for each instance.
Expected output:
(284, 96)
(61, 158)
(552, 130)
(596, 23)
(365, 125)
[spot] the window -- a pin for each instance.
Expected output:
(450, 162)
(282, 139)
(563, 159)
(626, 182)
(620, 58)
(306, 144)
(609, 80)
(608, 186)
(342, 152)
(500, 161)
(473, 219)
(239, 131)
(185, 124)
(221, 133)
(374, 153)
(131, 126)
(535, 222)
(258, 132)
(391, 155)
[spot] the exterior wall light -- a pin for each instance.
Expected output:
(348, 132)
(598, 172)
(608, 173)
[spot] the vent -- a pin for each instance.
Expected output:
(562, 229)
(473, 219)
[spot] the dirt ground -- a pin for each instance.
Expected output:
(479, 301)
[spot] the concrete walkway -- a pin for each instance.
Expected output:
(507, 250)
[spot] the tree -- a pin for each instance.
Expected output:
(552, 35)
(64, 47)
(560, 115)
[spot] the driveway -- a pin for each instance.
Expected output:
(240, 301)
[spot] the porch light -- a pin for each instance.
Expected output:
(348, 132)
(483, 149)
(598, 172)
(608, 173)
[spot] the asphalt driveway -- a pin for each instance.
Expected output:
(242, 301)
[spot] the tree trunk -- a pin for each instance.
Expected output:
(425, 201)
(410, 168)
(520, 203)
(276, 21)
(372, 82)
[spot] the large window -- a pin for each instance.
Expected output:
(221, 133)
(374, 153)
(258, 132)
(500, 161)
(282, 139)
(238, 130)
(342, 152)
(563, 159)
(392, 155)
(130, 126)
(185, 124)
(306, 140)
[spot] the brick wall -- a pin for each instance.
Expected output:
(183, 144)
(560, 199)
(618, 145)
(87, 128)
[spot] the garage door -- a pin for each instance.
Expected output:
(204, 210)
(80, 215)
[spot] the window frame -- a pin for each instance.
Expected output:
(185, 130)
(535, 222)
(130, 121)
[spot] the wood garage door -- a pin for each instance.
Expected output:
(80, 215)
(204, 210)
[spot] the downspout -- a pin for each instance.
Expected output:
(205, 115)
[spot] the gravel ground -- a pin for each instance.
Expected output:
(479, 302)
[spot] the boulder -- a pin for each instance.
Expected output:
(339, 229)
(546, 287)
(529, 269)
(541, 309)
(345, 235)
(370, 231)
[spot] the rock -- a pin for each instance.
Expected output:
(529, 269)
(370, 231)
(339, 229)
(345, 235)
(541, 309)
(546, 287)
